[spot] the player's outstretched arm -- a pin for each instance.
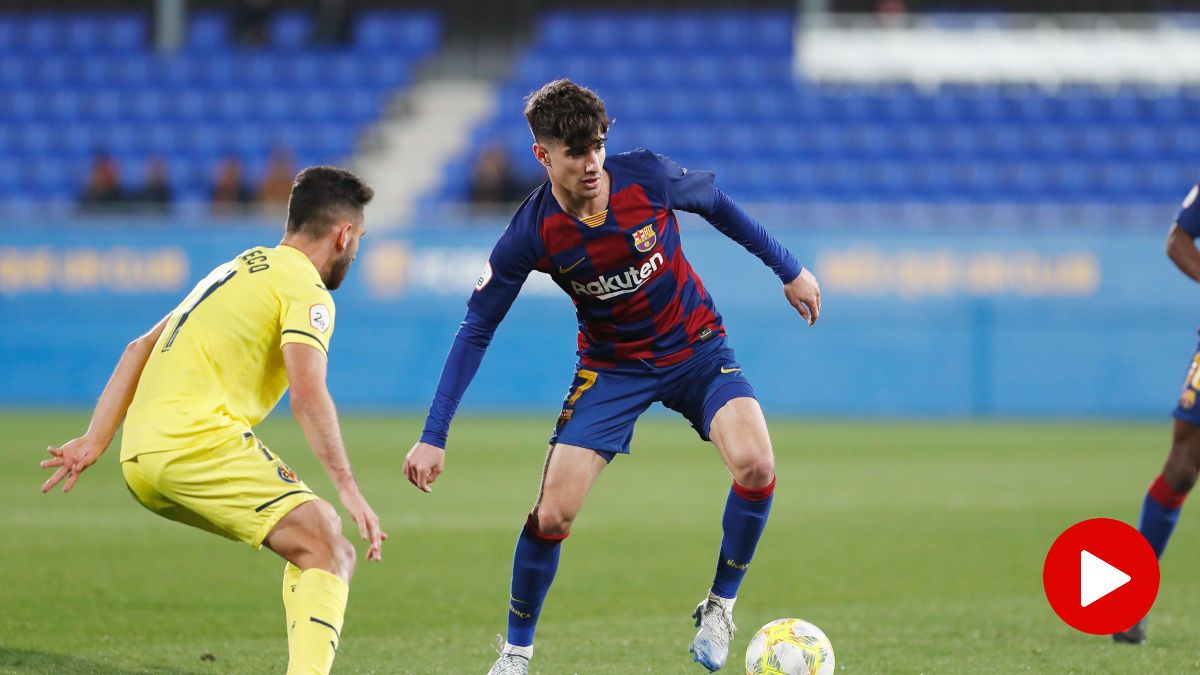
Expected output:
(314, 410)
(1181, 249)
(76, 455)
(804, 293)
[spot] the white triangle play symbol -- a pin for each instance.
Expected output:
(1097, 578)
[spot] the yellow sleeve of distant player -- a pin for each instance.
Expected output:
(306, 316)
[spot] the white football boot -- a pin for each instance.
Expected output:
(714, 617)
(513, 660)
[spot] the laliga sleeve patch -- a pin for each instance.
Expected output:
(318, 316)
(1191, 196)
(484, 277)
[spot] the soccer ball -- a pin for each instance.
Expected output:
(789, 647)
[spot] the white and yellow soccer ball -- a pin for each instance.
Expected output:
(789, 647)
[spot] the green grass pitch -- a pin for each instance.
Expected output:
(917, 548)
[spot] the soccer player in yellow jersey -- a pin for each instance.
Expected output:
(192, 389)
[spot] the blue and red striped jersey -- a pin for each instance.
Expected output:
(636, 296)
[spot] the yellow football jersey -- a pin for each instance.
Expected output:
(217, 369)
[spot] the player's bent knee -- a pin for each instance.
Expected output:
(757, 471)
(551, 522)
(1180, 472)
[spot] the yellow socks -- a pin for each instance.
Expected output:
(291, 579)
(317, 608)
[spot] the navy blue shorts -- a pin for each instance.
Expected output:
(603, 404)
(1186, 409)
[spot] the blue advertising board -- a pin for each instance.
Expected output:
(918, 323)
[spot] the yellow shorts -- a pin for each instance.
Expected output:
(238, 489)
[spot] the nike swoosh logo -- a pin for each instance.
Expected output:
(564, 270)
(729, 370)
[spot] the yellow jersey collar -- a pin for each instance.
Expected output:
(302, 258)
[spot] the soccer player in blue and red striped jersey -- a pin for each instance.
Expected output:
(648, 331)
(1164, 499)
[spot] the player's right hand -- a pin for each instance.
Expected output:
(368, 523)
(804, 293)
(71, 459)
(423, 464)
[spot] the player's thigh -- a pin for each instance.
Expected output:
(601, 408)
(148, 496)
(739, 430)
(568, 476)
(712, 385)
(241, 486)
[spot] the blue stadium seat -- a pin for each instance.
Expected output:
(160, 138)
(208, 31)
(1143, 142)
(126, 140)
(104, 105)
(216, 70)
(62, 105)
(1184, 143)
(95, 72)
(179, 71)
(53, 71)
(14, 70)
(10, 31)
(232, 105)
(39, 33)
(190, 105)
(84, 33)
(149, 105)
(10, 176)
(249, 138)
(361, 105)
(317, 106)
(387, 71)
(556, 30)
(273, 104)
(409, 32)
(290, 29)
(206, 140)
(125, 32)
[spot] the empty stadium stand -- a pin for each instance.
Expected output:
(715, 90)
(74, 85)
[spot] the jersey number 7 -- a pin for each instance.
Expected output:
(184, 317)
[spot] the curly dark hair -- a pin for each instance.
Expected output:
(568, 113)
(323, 196)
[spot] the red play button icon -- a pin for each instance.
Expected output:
(1100, 576)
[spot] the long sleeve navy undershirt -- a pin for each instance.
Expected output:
(731, 221)
(470, 342)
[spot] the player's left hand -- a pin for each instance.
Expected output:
(804, 293)
(423, 464)
(71, 459)
(367, 521)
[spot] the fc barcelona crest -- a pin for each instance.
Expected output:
(644, 239)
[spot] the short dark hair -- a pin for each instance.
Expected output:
(566, 112)
(323, 196)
